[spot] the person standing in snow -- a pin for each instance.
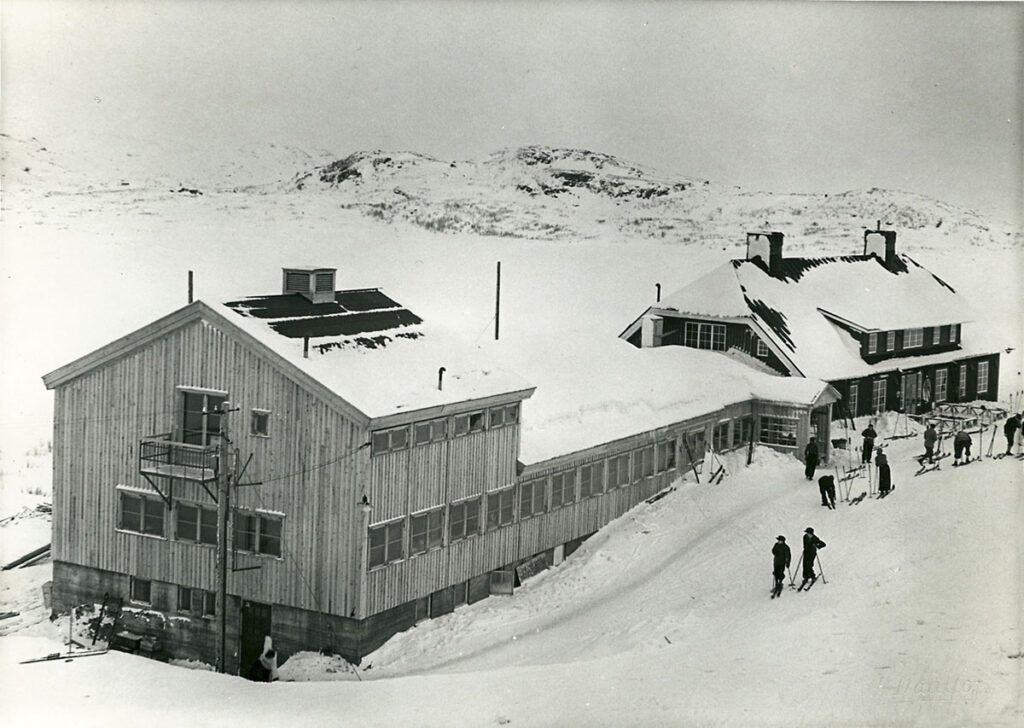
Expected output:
(265, 667)
(869, 443)
(811, 545)
(1010, 431)
(827, 488)
(810, 458)
(961, 446)
(780, 562)
(884, 475)
(930, 436)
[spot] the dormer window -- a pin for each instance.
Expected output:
(872, 343)
(913, 338)
(890, 341)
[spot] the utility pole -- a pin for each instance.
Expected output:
(497, 302)
(225, 472)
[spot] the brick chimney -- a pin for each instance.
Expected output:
(316, 284)
(882, 244)
(767, 247)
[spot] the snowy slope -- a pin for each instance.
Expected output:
(663, 619)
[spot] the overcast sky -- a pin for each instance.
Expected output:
(781, 96)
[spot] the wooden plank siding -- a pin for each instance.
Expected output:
(311, 478)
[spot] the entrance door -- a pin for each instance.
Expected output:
(911, 392)
(256, 624)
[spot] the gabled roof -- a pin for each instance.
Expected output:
(814, 304)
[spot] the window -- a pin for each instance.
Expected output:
(390, 440)
(259, 423)
(563, 489)
(500, 508)
(591, 480)
(139, 590)
(665, 453)
(704, 336)
(425, 531)
(982, 387)
(463, 519)
(956, 333)
(386, 543)
(430, 431)
(195, 523)
(142, 514)
(890, 341)
(201, 416)
(197, 601)
(851, 399)
(944, 334)
(504, 416)
(872, 343)
(469, 422)
(743, 431)
(941, 384)
(531, 498)
(961, 385)
(643, 463)
(778, 430)
(762, 348)
(720, 437)
(913, 338)
(258, 533)
(618, 471)
(878, 395)
(697, 444)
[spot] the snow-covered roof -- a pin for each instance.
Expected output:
(807, 308)
(599, 389)
(383, 359)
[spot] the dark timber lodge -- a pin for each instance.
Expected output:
(371, 472)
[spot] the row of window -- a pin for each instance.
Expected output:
(254, 532)
(197, 602)
(699, 335)
(442, 428)
(388, 542)
(885, 341)
(939, 394)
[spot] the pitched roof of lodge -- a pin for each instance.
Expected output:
(811, 308)
(374, 353)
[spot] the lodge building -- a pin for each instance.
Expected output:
(378, 472)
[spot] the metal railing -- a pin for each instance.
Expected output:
(158, 455)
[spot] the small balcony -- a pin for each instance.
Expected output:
(159, 456)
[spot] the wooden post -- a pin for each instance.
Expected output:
(224, 475)
(497, 303)
(190, 286)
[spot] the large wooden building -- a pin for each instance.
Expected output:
(379, 472)
(884, 331)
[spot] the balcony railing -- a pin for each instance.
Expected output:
(158, 455)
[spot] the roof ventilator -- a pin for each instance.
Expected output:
(316, 284)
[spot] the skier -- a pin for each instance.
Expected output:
(827, 489)
(1013, 424)
(884, 475)
(961, 446)
(930, 436)
(811, 545)
(810, 458)
(869, 443)
(780, 562)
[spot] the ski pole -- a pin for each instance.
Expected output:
(823, 579)
(792, 580)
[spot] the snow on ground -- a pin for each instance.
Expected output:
(661, 619)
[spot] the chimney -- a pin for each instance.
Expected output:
(316, 284)
(882, 244)
(651, 327)
(767, 247)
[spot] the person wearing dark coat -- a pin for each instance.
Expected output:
(811, 545)
(1013, 424)
(810, 459)
(869, 443)
(780, 561)
(930, 436)
(884, 475)
(961, 445)
(827, 488)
